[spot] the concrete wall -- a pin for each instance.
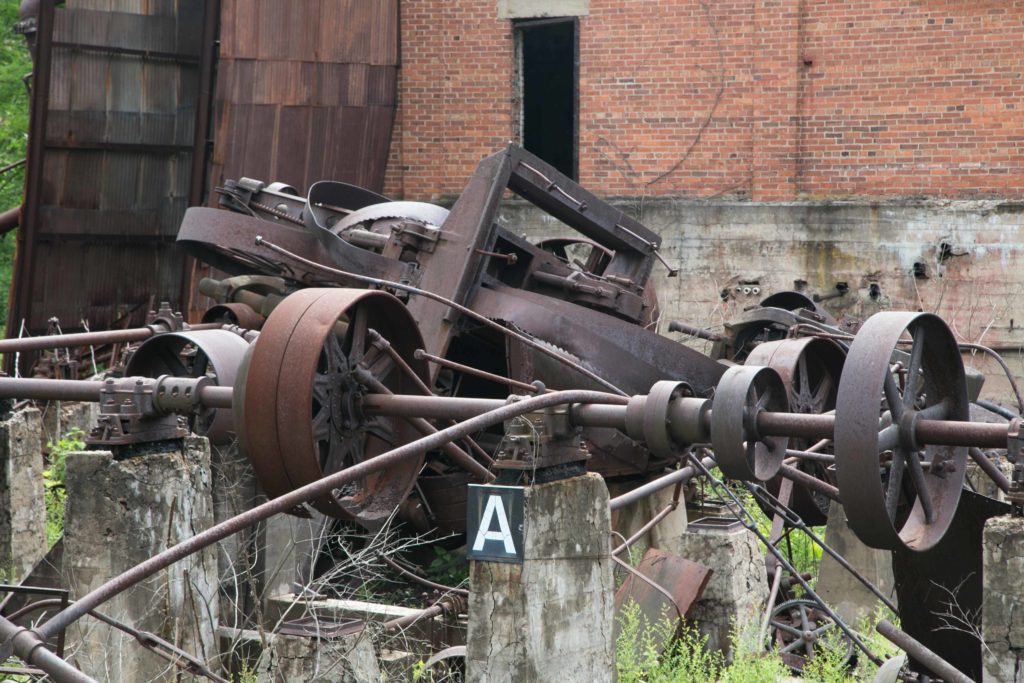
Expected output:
(970, 252)
(768, 99)
(119, 513)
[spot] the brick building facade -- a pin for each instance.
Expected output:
(754, 99)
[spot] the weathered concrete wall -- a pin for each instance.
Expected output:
(342, 660)
(970, 257)
(550, 618)
(119, 513)
(22, 506)
(738, 589)
(1002, 618)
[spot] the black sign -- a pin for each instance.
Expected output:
(495, 523)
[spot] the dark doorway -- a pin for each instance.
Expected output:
(549, 86)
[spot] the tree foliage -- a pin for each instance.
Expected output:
(15, 64)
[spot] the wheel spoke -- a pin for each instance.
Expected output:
(892, 491)
(921, 484)
(804, 381)
(357, 332)
(785, 628)
(173, 362)
(797, 644)
(939, 411)
(892, 397)
(888, 438)
(820, 396)
(914, 371)
(322, 424)
(763, 399)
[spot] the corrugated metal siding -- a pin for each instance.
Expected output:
(306, 90)
(110, 177)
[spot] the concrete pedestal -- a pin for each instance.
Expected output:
(549, 618)
(22, 506)
(665, 535)
(738, 589)
(845, 594)
(1002, 614)
(119, 513)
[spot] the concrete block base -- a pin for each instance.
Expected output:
(22, 506)
(119, 513)
(550, 618)
(1002, 614)
(350, 659)
(738, 589)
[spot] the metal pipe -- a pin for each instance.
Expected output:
(593, 415)
(658, 484)
(934, 663)
(429, 407)
(50, 389)
(288, 501)
(30, 646)
(10, 219)
(420, 354)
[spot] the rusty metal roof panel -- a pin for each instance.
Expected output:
(113, 130)
(306, 90)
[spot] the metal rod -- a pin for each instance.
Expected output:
(810, 482)
(700, 333)
(592, 415)
(810, 455)
(51, 389)
(10, 219)
(658, 484)
(716, 483)
(651, 523)
(795, 521)
(476, 372)
(459, 456)
(397, 359)
(989, 468)
(934, 663)
(100, 338)
(306, 493)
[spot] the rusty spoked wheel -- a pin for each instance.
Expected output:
(896, 491)
(743, 392)
(810, 368)
(300, 408)
(216, 354)
(797, 630)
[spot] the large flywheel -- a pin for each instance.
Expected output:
(318, 353)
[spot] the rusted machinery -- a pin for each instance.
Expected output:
(363, 352)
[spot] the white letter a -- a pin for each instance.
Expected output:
(504, 533)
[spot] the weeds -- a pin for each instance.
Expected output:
(53, 481)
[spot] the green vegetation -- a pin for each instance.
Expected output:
(687, 659)
(53, 480)
(15, 63)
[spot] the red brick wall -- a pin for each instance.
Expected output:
(769, 99)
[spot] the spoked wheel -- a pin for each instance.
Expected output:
(216, 354)
(810, 368)
(797, 630)
(896, 491)
(301, 410)
(744, 392)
